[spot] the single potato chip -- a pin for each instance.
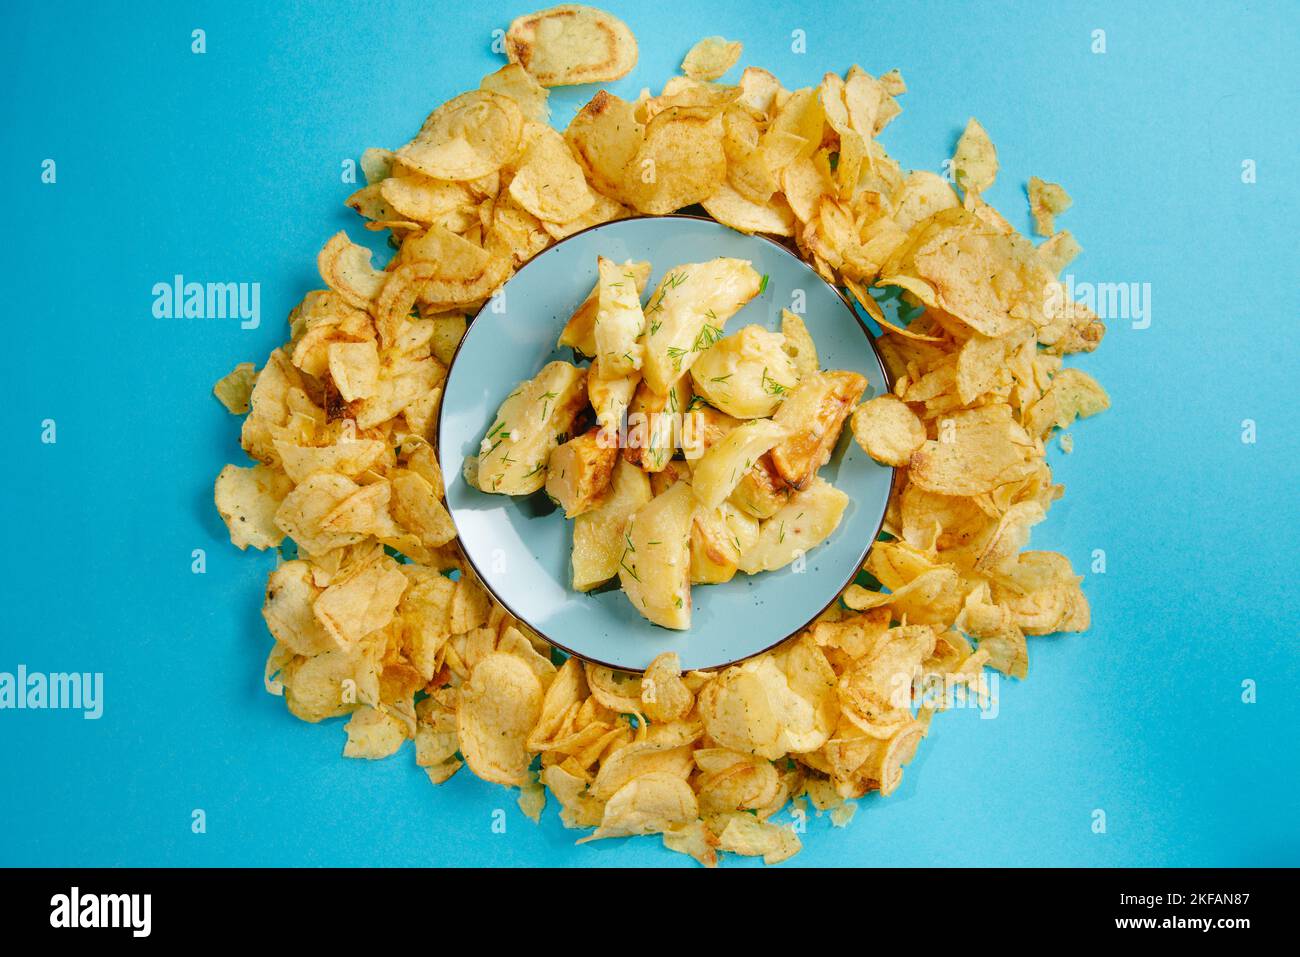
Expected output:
(888, 430)
(711, 57)
(248, 500)
(571, 44)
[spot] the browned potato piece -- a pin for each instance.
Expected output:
(678, 470)
(709, 426)
(813, 414)
(579, 472)
(762, 491)
(650, 417)
(714, 552)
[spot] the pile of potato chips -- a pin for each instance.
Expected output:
(374, 610)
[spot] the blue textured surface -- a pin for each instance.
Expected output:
(523, 557)
(226, 166)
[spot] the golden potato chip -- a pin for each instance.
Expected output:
(467, 137)
(648, 804)
(731, 209)
(693, 838)
(571, 44)
(304, 510)
(499, 705)
(346, 269)
(290, 594)
(373, 734)
(680, 162)
(354, 367)
(364, 602)
(975, 163)
(888, 430)
(347, 457)
(976, 451)
(328, 685)
(710, 58)
(664, 696)
(235, 388)
(605, 136)
(422, 199)
(876, 692)
(746, 835)
(549, 182)
(1047, 200)
(514, 81)
(1059, 251)
(248, 500)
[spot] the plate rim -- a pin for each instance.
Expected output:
(875, 352)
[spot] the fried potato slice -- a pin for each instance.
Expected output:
(466, 138)
(580, 331)
(620, 322)
(747, 374)
(526, 430)
(711, 57)
(888, 430)
(719, 471)
(687, 313)
(571, 44)
(812, 415)
(598, 543)
(796, 528)
(654, 568)
(579, 472)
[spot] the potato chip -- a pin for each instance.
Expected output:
(977, 451)
(710, 58)
(514, 81)
(346, 269)
(888, 430)
(571, 44)
(467, 137)
(728, 207)
(499, 705)
(248, 500)
(290, 594)
(1047, 200)
(549, 182)
(649, 804)
(680, 162)
(362, 603)
(975, 162)
(373, 734)
(235, 389)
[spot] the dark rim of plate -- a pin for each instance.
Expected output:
(884, 372)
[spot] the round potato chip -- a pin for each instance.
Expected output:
(499, 705)
(467, 137)
(571, 44)
(888, 430)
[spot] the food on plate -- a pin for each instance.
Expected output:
(376, 615)
(700, 440)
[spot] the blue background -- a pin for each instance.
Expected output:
(225, 166)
